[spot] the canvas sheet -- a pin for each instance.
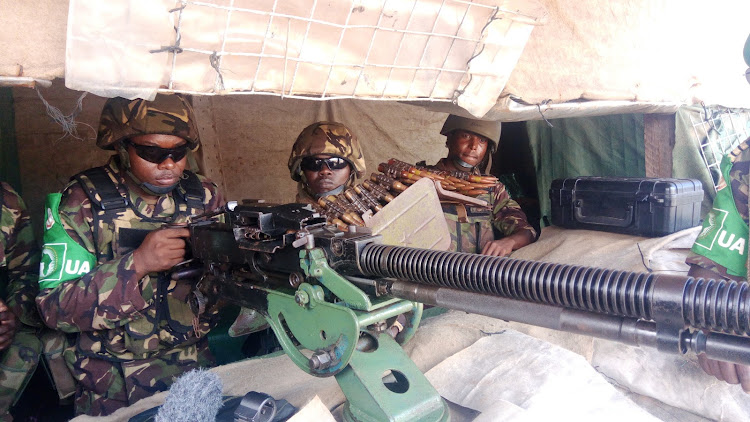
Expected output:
(634, 51)
(428, 49)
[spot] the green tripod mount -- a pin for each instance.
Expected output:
(350, 339)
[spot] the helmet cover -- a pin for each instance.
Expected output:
(487, 128)
(122, 119)
(330, 138)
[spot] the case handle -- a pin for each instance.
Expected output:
(603, 219)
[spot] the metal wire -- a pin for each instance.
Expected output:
(338, 48)
(219, 78)
(263, 45)
(215, 57)
(453, 41)
(398, 50)
(718, 132)
(301, 48)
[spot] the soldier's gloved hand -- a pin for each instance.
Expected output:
(8, 325)
(500, 247)
(732, 373)
(161, 250)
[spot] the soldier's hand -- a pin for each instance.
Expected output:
(732, 373)
(8, 325)
(161, 250)
(500, 247)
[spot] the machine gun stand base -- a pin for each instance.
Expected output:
(384, 384)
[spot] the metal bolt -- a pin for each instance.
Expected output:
(301, 298)
(295, 279)
(320, 360)
(378, 327)
(337, 247)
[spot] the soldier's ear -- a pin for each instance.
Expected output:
(448, 138)
(122, 152)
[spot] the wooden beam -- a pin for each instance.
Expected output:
(658, 137)
(9, 171)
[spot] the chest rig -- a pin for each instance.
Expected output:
(470, 226)
(119, 227)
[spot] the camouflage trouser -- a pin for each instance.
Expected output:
(17, 365)
(105, 386)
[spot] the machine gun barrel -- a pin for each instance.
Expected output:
(630, 307)
(350, 301)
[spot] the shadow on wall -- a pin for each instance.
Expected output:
(513, 164)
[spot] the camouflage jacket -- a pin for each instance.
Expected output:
(303, 196)
(20, 257)
(739, 181)
(134, 334)
(472, 227)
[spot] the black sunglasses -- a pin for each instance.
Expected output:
(158, 155)
(316, 164)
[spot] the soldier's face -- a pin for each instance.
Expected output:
(326, 179)
(166, 172)
(467, 146)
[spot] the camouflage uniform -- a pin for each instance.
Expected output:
(472, 227)
(129, 338)
(20, 260)
(739, 181)
(303, 196)
(324, 138)
(126, 348)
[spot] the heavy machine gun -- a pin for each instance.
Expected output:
(340, 302)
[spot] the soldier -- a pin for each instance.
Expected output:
(727, 258)
(109, 240)
(19, 321)
(470, 145)
(326, 158)
(721, 249)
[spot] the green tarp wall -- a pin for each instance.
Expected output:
(613, 146)
(585, 146)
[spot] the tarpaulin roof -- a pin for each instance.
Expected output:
(526, 56)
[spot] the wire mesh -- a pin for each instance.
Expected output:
(419, 75)
(719, 131)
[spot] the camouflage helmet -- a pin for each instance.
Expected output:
(487, 128)
(326, 138)
(166, 114)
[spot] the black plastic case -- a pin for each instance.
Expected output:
(631, 205)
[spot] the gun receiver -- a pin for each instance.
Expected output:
(340, 294)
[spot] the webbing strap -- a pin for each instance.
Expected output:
(109, 197)
(192, 190)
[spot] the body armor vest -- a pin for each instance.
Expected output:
(470, 226)
(119, 228)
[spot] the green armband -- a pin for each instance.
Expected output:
(62, 258)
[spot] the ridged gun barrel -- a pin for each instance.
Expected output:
(672, 300)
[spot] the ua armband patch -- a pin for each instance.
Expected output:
(62, 258)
